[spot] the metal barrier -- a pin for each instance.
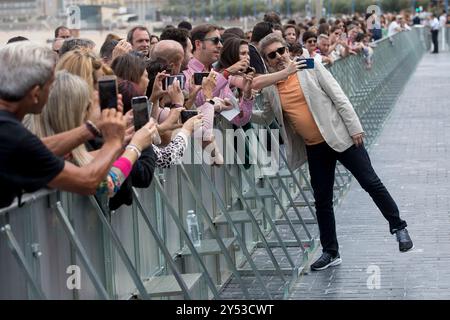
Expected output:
(257, 227)
(447, 33)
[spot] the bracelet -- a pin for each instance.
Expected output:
(176, 105)
(93, 128)
(135, 149)
(226, 74)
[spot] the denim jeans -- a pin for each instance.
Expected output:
(322, 163)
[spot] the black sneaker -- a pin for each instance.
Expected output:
(404, 241)
(326, 260)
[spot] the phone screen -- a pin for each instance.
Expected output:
(169, 80)
(187, 114)
(309, 63)
(107, 93)
(198, 77)
(141, 112)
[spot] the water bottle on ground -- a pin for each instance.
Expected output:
(193, 228)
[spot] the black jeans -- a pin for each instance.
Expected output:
(434, 38)
(322, 164)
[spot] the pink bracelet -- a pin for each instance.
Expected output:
(124, 165)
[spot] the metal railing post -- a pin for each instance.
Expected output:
(70, 232)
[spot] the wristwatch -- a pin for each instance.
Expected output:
(93, 129)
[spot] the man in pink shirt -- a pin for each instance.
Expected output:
(207, 43)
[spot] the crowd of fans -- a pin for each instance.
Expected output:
(54, 133)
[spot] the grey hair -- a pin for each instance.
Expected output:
(75, 43)
(322, 37)
(268, 40)
(23, 66)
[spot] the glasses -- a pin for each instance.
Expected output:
(214, 40)
(273, 54)
(311, 41)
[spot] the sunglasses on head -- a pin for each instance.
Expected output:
(214, 40)
(273, 54)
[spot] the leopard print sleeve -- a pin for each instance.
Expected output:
(172, 153)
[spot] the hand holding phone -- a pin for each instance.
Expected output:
(198, 77)
(187, 114)
(250, 70)
(306, 63)
(169, 80)
(107, 89)
(145, 136)
(175, 93)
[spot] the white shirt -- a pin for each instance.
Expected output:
(393, 28)
(435, 24)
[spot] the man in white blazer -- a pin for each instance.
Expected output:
(318, 124)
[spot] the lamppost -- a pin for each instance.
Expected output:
(329, 8)
(319, 6)
(240, 9)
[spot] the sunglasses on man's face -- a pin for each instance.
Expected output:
(273, 54)
(311, 41)
(214, 40)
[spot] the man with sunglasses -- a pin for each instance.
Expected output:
(207, 43)
(318, 123)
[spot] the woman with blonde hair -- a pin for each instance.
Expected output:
(84, 63)
(69, 105)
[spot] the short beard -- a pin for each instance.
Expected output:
(273, 69)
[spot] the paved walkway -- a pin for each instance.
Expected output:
(412, 158)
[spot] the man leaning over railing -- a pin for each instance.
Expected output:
(27, 163)
(318, 122)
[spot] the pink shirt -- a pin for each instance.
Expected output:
(222, 90)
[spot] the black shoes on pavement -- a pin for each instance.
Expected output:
(326, 260)
(404, 241)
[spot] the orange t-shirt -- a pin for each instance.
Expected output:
(296, 110)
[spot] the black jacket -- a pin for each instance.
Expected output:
(141, 176)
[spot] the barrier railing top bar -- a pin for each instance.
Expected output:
(27, 199)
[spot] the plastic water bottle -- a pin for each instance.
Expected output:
(193, 228)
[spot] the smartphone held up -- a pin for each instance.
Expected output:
(187, 114)
(198, 77)
(169, 81)
(309, 63)
(107, 91)
(141, 111)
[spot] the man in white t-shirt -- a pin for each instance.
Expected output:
(434, 25)
(395, 26)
